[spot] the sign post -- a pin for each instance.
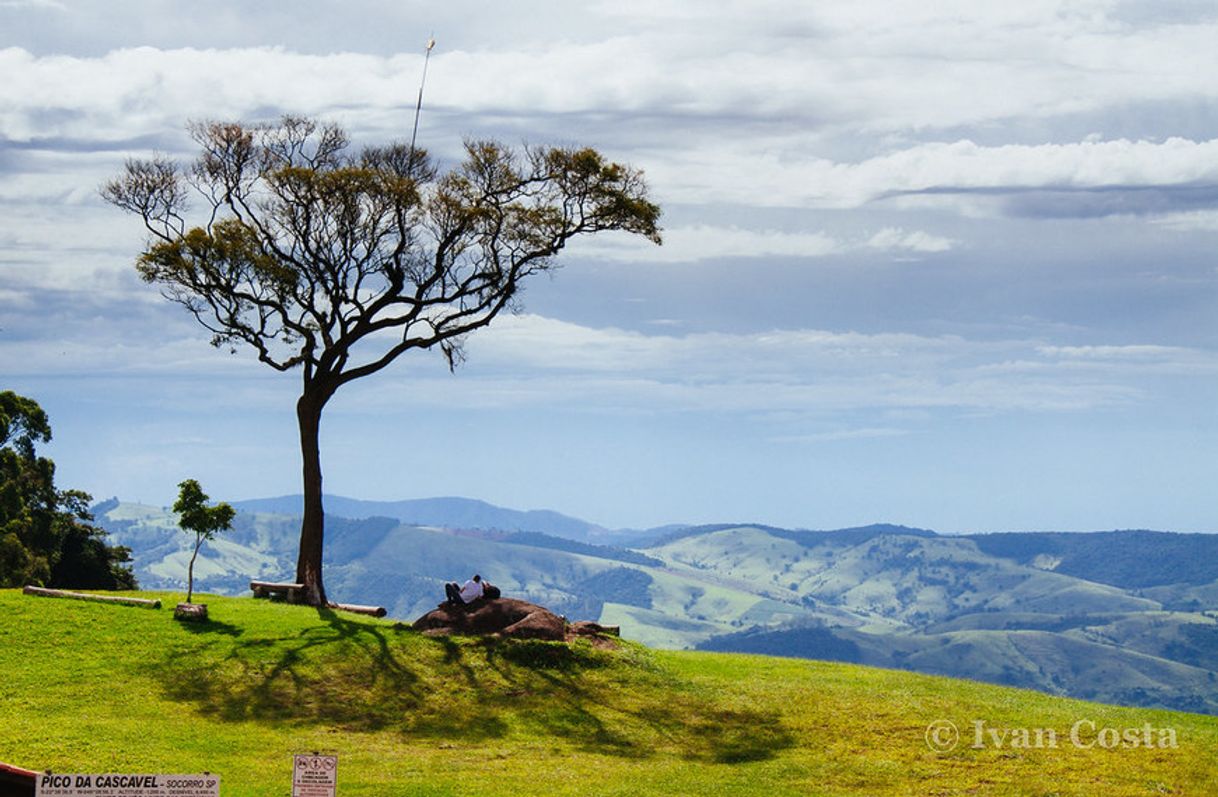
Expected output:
(314, 775)
(54, 784)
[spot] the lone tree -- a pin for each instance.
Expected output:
(337, 262)
(194, 515)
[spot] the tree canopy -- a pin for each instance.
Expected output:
(197, 517)
(46, 535)
(337, 261)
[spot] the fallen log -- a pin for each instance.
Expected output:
(86, 596)
(375, 611)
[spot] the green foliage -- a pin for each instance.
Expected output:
(46, 535)
(194, 515)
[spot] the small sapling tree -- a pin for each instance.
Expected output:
(194, 515)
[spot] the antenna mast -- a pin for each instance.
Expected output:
(431, 42)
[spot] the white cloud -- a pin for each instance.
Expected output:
(869, 66)
(535, 362)
(531, 360)
(915, 241)
(704, 241)
(839, 435)
(109, 355)
(727, 173)
(760, 123)
(1131, 359)
(53, 5)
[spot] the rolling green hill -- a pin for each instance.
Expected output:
(402, 567)
(953, 606)
(992, 607)
(93, 688)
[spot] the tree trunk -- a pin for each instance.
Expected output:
(312, 525)
(190, 571)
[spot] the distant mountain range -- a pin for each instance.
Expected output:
(453, 513)
(1127, 617)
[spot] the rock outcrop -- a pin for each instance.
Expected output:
(507, 617)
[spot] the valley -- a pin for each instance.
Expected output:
(1129, 618)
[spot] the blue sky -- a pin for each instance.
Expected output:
(952, 265)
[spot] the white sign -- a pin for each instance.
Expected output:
(124, 785)
(314, 775)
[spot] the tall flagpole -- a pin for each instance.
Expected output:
(431, 42)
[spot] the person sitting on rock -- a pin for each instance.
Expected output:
(468, 592)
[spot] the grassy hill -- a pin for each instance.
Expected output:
(991, 607)
(403, 568)
(1011, 609)
(91, 687)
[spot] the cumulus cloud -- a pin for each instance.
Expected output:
(765, 122)
(835, 105)
(133, 92)
(729, 174)
(661, 72)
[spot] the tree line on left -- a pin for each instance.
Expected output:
(47, 536)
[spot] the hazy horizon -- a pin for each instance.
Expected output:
(674, 523)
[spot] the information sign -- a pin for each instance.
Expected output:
(314, 775)
(113, 784)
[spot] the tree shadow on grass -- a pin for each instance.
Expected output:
(367, 677)
(330, 673)
(648, 713)
(212, 627)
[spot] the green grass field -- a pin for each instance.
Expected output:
(94, 688)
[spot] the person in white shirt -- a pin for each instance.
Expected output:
(468, 592)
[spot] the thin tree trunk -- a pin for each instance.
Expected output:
(190, 570)
(312, 525)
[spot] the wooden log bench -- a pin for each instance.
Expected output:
(374, 611)
(273, 589)
(88, 596)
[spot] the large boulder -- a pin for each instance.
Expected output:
(507, 617)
